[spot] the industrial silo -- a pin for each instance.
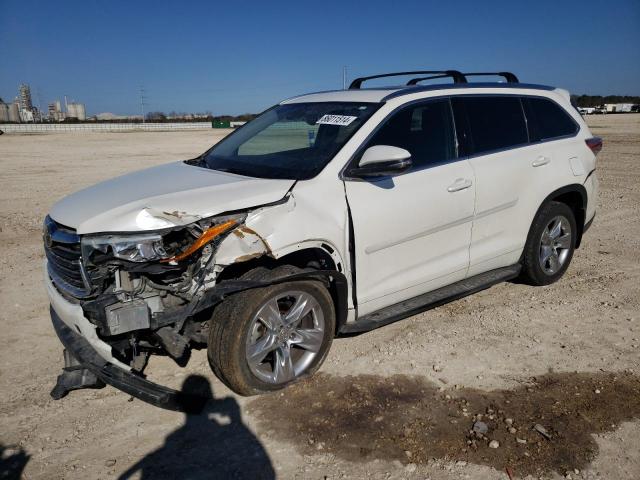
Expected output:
(14, 113)
(76, 110)
(4, 112)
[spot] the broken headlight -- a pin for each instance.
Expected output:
(172, 246)
(133, 248)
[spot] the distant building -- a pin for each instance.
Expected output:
(76, 110)
(26, 116)
(25, 98)
(618, 107)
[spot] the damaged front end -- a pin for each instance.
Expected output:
(141, 293)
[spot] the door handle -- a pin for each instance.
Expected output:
(459, 184)
(540, 161)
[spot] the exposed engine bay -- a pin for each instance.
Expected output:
(142, 291)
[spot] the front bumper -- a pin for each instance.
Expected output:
(88, 358)
(92, 354)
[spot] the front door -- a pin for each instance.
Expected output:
(412, 231)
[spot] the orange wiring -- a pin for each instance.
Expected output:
(205, 238)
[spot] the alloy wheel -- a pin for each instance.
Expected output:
(555, 245)
(284, 337)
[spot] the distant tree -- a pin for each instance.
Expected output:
(598, 100)
(156, 117)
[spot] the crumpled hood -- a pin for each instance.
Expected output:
(163, 196)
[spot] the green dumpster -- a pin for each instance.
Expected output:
(220, 124)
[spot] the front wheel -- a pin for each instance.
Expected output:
(267, 338)
(550, 245)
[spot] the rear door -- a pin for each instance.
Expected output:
(513, 175)
(412, 231)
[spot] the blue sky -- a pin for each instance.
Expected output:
(243, 56)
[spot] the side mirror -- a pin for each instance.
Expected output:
(382, 161)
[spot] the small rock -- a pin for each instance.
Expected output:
(542, 431)
(509, 421)
(494, 444)
(437, 368)
(408, 453)
(411, 467)
(521, 440)
(480, 427)
(110, 463)
(512, 430)
(597, 391)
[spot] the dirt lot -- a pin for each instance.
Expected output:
(399, 402)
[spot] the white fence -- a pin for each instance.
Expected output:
(99, 127)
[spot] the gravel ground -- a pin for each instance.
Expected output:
(427, 397)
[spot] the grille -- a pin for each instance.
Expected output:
(62, 248)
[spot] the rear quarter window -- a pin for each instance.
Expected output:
(495, 122)
(547, 120)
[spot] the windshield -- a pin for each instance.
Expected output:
(293, 141)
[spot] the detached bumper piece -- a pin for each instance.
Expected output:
(85, 368)
(74, 377)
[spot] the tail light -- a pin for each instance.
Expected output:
(595, 144)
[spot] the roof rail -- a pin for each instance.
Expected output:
(414, 81)
(508, 76)
(455, 74)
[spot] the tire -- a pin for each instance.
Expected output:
(550, 245)
(243, 327)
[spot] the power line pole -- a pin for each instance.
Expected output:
(344, 77)
(142, 102)
(39, 103)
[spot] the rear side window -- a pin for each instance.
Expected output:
(425, 130)
(495, 122)
(547, 119)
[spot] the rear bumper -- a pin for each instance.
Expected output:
(124, 380)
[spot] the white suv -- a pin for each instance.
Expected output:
(330, 213)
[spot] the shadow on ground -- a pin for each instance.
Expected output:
(412, 420)
(214, 443)
(12, 462)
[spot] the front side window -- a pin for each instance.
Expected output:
(292, 141)
(425, 130)
(496, 122)
(547, 119)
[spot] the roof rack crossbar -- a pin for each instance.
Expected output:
(414, 81)
(508, 76)
(454, 74)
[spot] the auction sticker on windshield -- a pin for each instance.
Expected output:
(342, 120)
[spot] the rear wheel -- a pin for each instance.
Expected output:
(264, 339)
(550, 245)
